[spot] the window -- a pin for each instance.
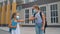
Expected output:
(26, 16)
(26, 1)
(54, 13)
(33, 14)
(35, 0)
(43, 9)
(19, 8)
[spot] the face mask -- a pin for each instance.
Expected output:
(34, 11)
(17, 17)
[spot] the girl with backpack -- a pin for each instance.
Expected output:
(39, 21)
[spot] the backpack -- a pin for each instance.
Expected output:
(41, 17)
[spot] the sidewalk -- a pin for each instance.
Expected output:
(4, 28)
(31, 30)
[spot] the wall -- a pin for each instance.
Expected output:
(48, 13)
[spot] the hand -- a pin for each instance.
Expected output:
(31, 18)
(14, 26)
(42, 28)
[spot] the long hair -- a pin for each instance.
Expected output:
(13, 15)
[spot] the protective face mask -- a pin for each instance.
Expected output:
(17, 17)
(34, 11)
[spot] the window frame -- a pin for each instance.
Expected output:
(54, 16)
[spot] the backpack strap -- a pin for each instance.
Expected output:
(41, 14)
(45, 20)
(34, 14)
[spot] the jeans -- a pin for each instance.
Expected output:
(38, 29)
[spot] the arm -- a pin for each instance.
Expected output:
(43, 18)
(10, 25)
(20, 20)
(31, 18)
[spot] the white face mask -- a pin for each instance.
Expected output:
(17, 17)
(34, 11)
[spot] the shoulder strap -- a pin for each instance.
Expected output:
(34, 14)
(41, 14)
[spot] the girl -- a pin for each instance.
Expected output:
(39, 18)
(13, 25)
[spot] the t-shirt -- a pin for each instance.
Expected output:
(38, 19)
(14, 23)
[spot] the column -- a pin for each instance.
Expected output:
(0, 13)
(8, 13)
(3, 14)
(14, 6)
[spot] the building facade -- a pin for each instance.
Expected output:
(51, 11)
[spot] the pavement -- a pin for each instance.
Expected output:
(31, 30)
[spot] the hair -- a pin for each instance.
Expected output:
(36, 6)
(13, 15)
